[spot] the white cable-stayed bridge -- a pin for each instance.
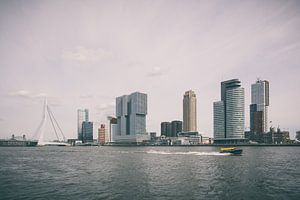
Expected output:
(40, 131)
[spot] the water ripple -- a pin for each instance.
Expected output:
(149, 173)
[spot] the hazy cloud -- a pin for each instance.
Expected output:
(105, 110)
(86, 96)
(105, 107)
(27, 94)
(83, 54)
(36, 97)
(95, 96)
(21, 93)
(162, 48)
(156, 71)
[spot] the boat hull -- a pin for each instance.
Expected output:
(232, 151)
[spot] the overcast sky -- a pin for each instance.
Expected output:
(83, 54)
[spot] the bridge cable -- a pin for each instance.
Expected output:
(52, 123)
(57, 124)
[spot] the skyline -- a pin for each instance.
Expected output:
(87, 55)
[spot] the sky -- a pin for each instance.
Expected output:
(83, 54)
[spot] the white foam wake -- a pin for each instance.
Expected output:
(188, 153)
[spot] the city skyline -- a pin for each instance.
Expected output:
(91, 53)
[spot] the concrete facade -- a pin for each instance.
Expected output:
(189, 111)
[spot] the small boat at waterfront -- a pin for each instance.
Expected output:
(231, 150)
(54, 143)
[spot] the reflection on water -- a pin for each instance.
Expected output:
(149, 173)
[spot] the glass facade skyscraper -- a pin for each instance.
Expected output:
(166, 129)
(259, 106)
(235, 113)
(87, 131)
(219, 120)
(131, 111)
(82, 116)
(229, 113)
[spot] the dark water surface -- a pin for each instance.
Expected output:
(149, 173)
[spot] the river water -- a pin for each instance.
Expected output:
(149, 173)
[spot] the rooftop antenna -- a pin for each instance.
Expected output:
(257, 79)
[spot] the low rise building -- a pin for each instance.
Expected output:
(276, 136)
(189, 138)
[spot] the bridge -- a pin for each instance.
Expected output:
(40, 132)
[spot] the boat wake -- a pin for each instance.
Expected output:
(196, 153)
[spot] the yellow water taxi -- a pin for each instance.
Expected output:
(232, 150)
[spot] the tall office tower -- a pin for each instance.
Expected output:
(259, 106)
(189, 112)
(131, 111)
(101, 134)
(82, 116)
(112, 121)
(229, 113)
(87, 131)
(219, 120)
(176, 127)
(166, 129)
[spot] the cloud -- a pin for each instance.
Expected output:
(95, 96)
(21, 93)
(156, 71)
(40, 95)
(86, 96)
(104, 111)
(105, 108)
(83, 54)
(27, 94)
(1, 119)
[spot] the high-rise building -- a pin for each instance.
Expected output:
(189, 111)
(87, 131)
(166, 129)
(171, 129)
(131, 111)
(259, 107)
(229, 113)
(82, 116)
(112, 129)
(176, 127)
(219, 120)
(256, 119)
(101, 134)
